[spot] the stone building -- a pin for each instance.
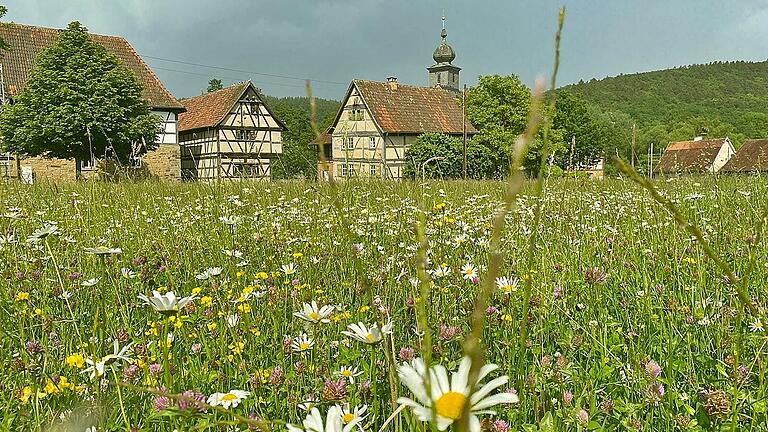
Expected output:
(378, 121)
(229, 134)
(26, 43)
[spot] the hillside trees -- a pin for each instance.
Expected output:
(79, 102)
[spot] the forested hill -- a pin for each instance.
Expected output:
(735, 93)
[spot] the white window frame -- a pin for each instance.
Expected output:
(372, 170)
(88, 165)
(5, 165)
(350, 143)
(344, 170)
(136, 162)
(372, 143)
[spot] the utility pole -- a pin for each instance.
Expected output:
(464, 126)
(650, 162)
(634, 138)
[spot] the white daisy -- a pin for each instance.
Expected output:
(469, 271)
(90, 282)
(168, 303)
(447, 397)
(756, 325)
(507, 285)
(372, 335)
(226, 400)
(302, 343)
(289, 268)
(349, 373)
(314, 314)
(333, 422)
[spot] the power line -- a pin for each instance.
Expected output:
(222, 76)
(241, 70)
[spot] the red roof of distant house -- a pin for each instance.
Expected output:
(690, 156)
(752, 156)
(399, 108)
(208, 110)
(27, 42)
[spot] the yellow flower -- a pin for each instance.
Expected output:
(240, 274)
(38, 312)
(297, 255)
(364, 309)
(207, 301)
(237, 348)
(689, 260)
(22, 296)
(262, 275)
(244, 308)
(52, 388)
(75, 361)
(196, 290)
(248, 290)
(211, 326)
(506, 317)
(26, 393)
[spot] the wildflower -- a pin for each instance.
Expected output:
(357, 414)
(230, 220)
(206, 301)
(507, 285)
(448, 397)
(76, 361)
(448, 332)
(45, 231)
(90, 282)
(407, 354)
(103, 250)
(654, 391)
(209, 273)
(334, 422)
(372, 335)
(22, 296)
(314, 314)
(500, 426)
(469, 271)
(162, 402)
(226, 400)
(756, 325)
(34, 347)
(582, 417)
(302, 343)
(334, 390)
(276, 376)
(349, 373)
(289, 268)
(166, 304)
(441, 271)
(191, 400)
(652, 369)
(97, 368)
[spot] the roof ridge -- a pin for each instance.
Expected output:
(208, 94)
(57, 29)
(399, 84)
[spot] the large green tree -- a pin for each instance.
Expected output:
(449, 164)
(583, 135)
(213, 85)
(3, 44)
(79, 102)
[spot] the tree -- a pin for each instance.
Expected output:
(213, 85)
(3, 44)
(79, 102)
(574, 121)
(450, 150)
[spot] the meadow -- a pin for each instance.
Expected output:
(628, 324)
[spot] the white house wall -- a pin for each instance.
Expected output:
(724, 155)
(168, 126)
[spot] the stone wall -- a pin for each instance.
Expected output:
(161, 164)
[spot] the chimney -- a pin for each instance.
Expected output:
(392, 81)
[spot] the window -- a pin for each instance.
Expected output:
(373, 170)
(372, 143)
(356, 114)
(245, 170)
(254, 107)
(136, 162)
(348, 144)
(88, 164)
(346, 170)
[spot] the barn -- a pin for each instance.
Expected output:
(751, 157)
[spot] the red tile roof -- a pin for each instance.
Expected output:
(27, 42)
(752, 156)
(690, 156)
(206, 111)
(399, 108)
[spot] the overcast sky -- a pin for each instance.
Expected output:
(335, 41)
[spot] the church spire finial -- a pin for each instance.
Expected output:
(443, 33)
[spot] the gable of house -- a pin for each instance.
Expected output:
(695, 156)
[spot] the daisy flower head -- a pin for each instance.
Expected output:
(441, 271)
(469, 271)
(507, 285)
(313, 313)
(166, 304)
(756, 325)
(349, 373)
(368, 335)
(289, 269)
(226, 400)
(333, 422)
(350, 414)
(302, 343)
(448, 397)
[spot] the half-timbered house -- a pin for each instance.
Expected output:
(25, 45)
(229, 134)
(378, 121)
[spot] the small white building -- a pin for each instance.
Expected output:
(696, 156)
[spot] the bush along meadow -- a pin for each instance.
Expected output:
(305, 307)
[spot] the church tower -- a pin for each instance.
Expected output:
(443, 74)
